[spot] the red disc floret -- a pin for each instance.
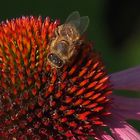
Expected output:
(40, 102)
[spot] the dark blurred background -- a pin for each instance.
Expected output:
(114, 26)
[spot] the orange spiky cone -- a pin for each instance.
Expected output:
(41, 102)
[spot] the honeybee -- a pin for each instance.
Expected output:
(67, 40)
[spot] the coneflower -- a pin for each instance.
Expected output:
(41, 102)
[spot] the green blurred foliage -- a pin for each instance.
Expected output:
(98, 31)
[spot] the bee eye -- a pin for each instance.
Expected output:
(62, 47)
(55, 60)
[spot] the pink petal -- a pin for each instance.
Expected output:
(126, 80)
(121, 130)
(102, 135)
(129, 108)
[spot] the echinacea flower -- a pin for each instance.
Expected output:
(39, 102)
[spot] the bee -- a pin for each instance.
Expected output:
(64, 47)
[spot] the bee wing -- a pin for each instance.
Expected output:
(74, 19)
(73, 16)
(81, 23)
(84, 22)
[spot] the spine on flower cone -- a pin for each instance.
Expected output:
(38, 101)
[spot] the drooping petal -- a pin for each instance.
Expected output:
(126, 80)
(121, 130)
(106, 136)
(102, 135)
(126, 107)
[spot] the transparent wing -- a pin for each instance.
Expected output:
(81, 23)
(74, 19)
(84, 22)
(73, 16)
